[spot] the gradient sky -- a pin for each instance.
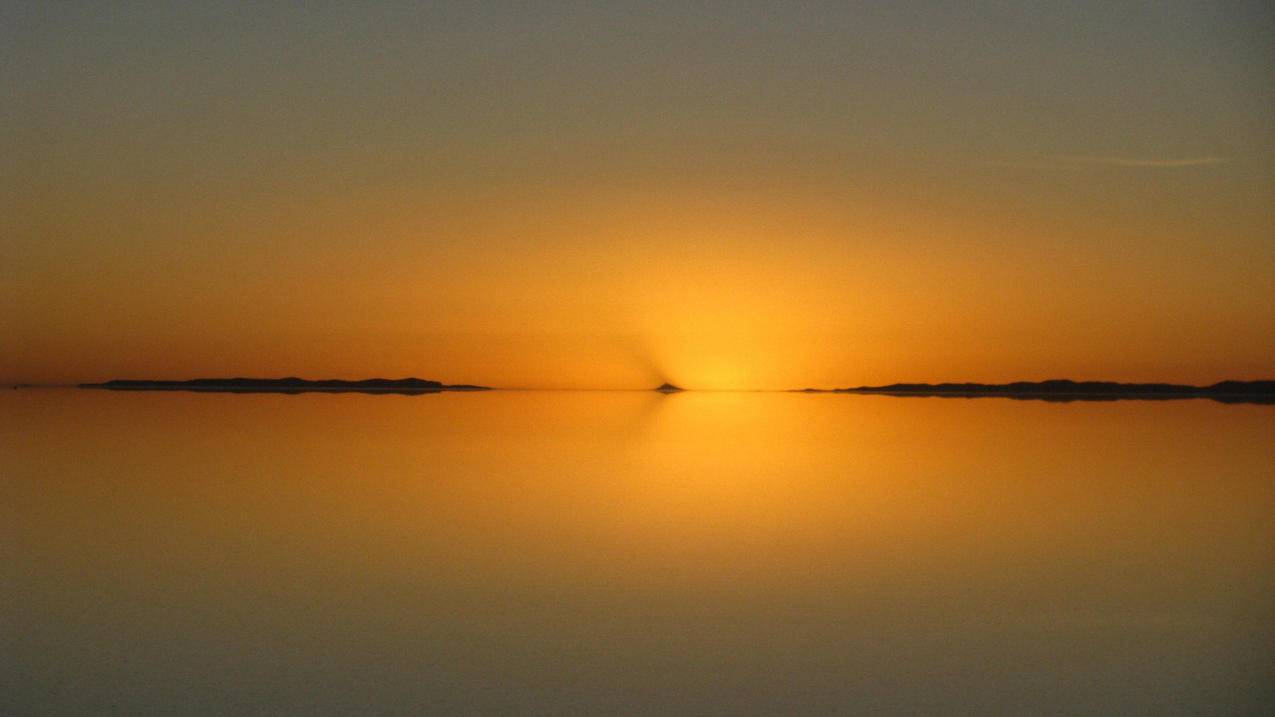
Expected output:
(743, 194)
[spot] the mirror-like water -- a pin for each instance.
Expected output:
(595, 552)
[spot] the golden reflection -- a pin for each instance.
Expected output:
(760, 483)
(853, 542)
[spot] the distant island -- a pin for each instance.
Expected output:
(667, 387)
(1068, 390)
(288, 385)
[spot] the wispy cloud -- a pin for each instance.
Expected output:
(1073, 161)
(1139, 161)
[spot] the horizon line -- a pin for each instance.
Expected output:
(806, 388)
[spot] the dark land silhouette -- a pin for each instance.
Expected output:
(1068, 390)
(1051, 390)
(411, 386)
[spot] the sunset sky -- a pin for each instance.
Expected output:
(610, 195)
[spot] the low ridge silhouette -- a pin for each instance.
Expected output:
(1052, 390)
(290, 384)
(1068, 390)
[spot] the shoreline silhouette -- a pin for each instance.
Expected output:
(1068, 390)
(1057, 390)
(291, 384)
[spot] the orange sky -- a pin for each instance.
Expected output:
(724, 198)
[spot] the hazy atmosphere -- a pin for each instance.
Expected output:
(725, 195)
(926, 356)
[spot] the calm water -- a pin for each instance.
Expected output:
(622, 553)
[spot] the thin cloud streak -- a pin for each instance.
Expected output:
(1074, 161)
(1136, 162)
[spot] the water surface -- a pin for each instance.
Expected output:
(629, 553)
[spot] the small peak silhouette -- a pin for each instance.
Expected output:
(667, 387)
